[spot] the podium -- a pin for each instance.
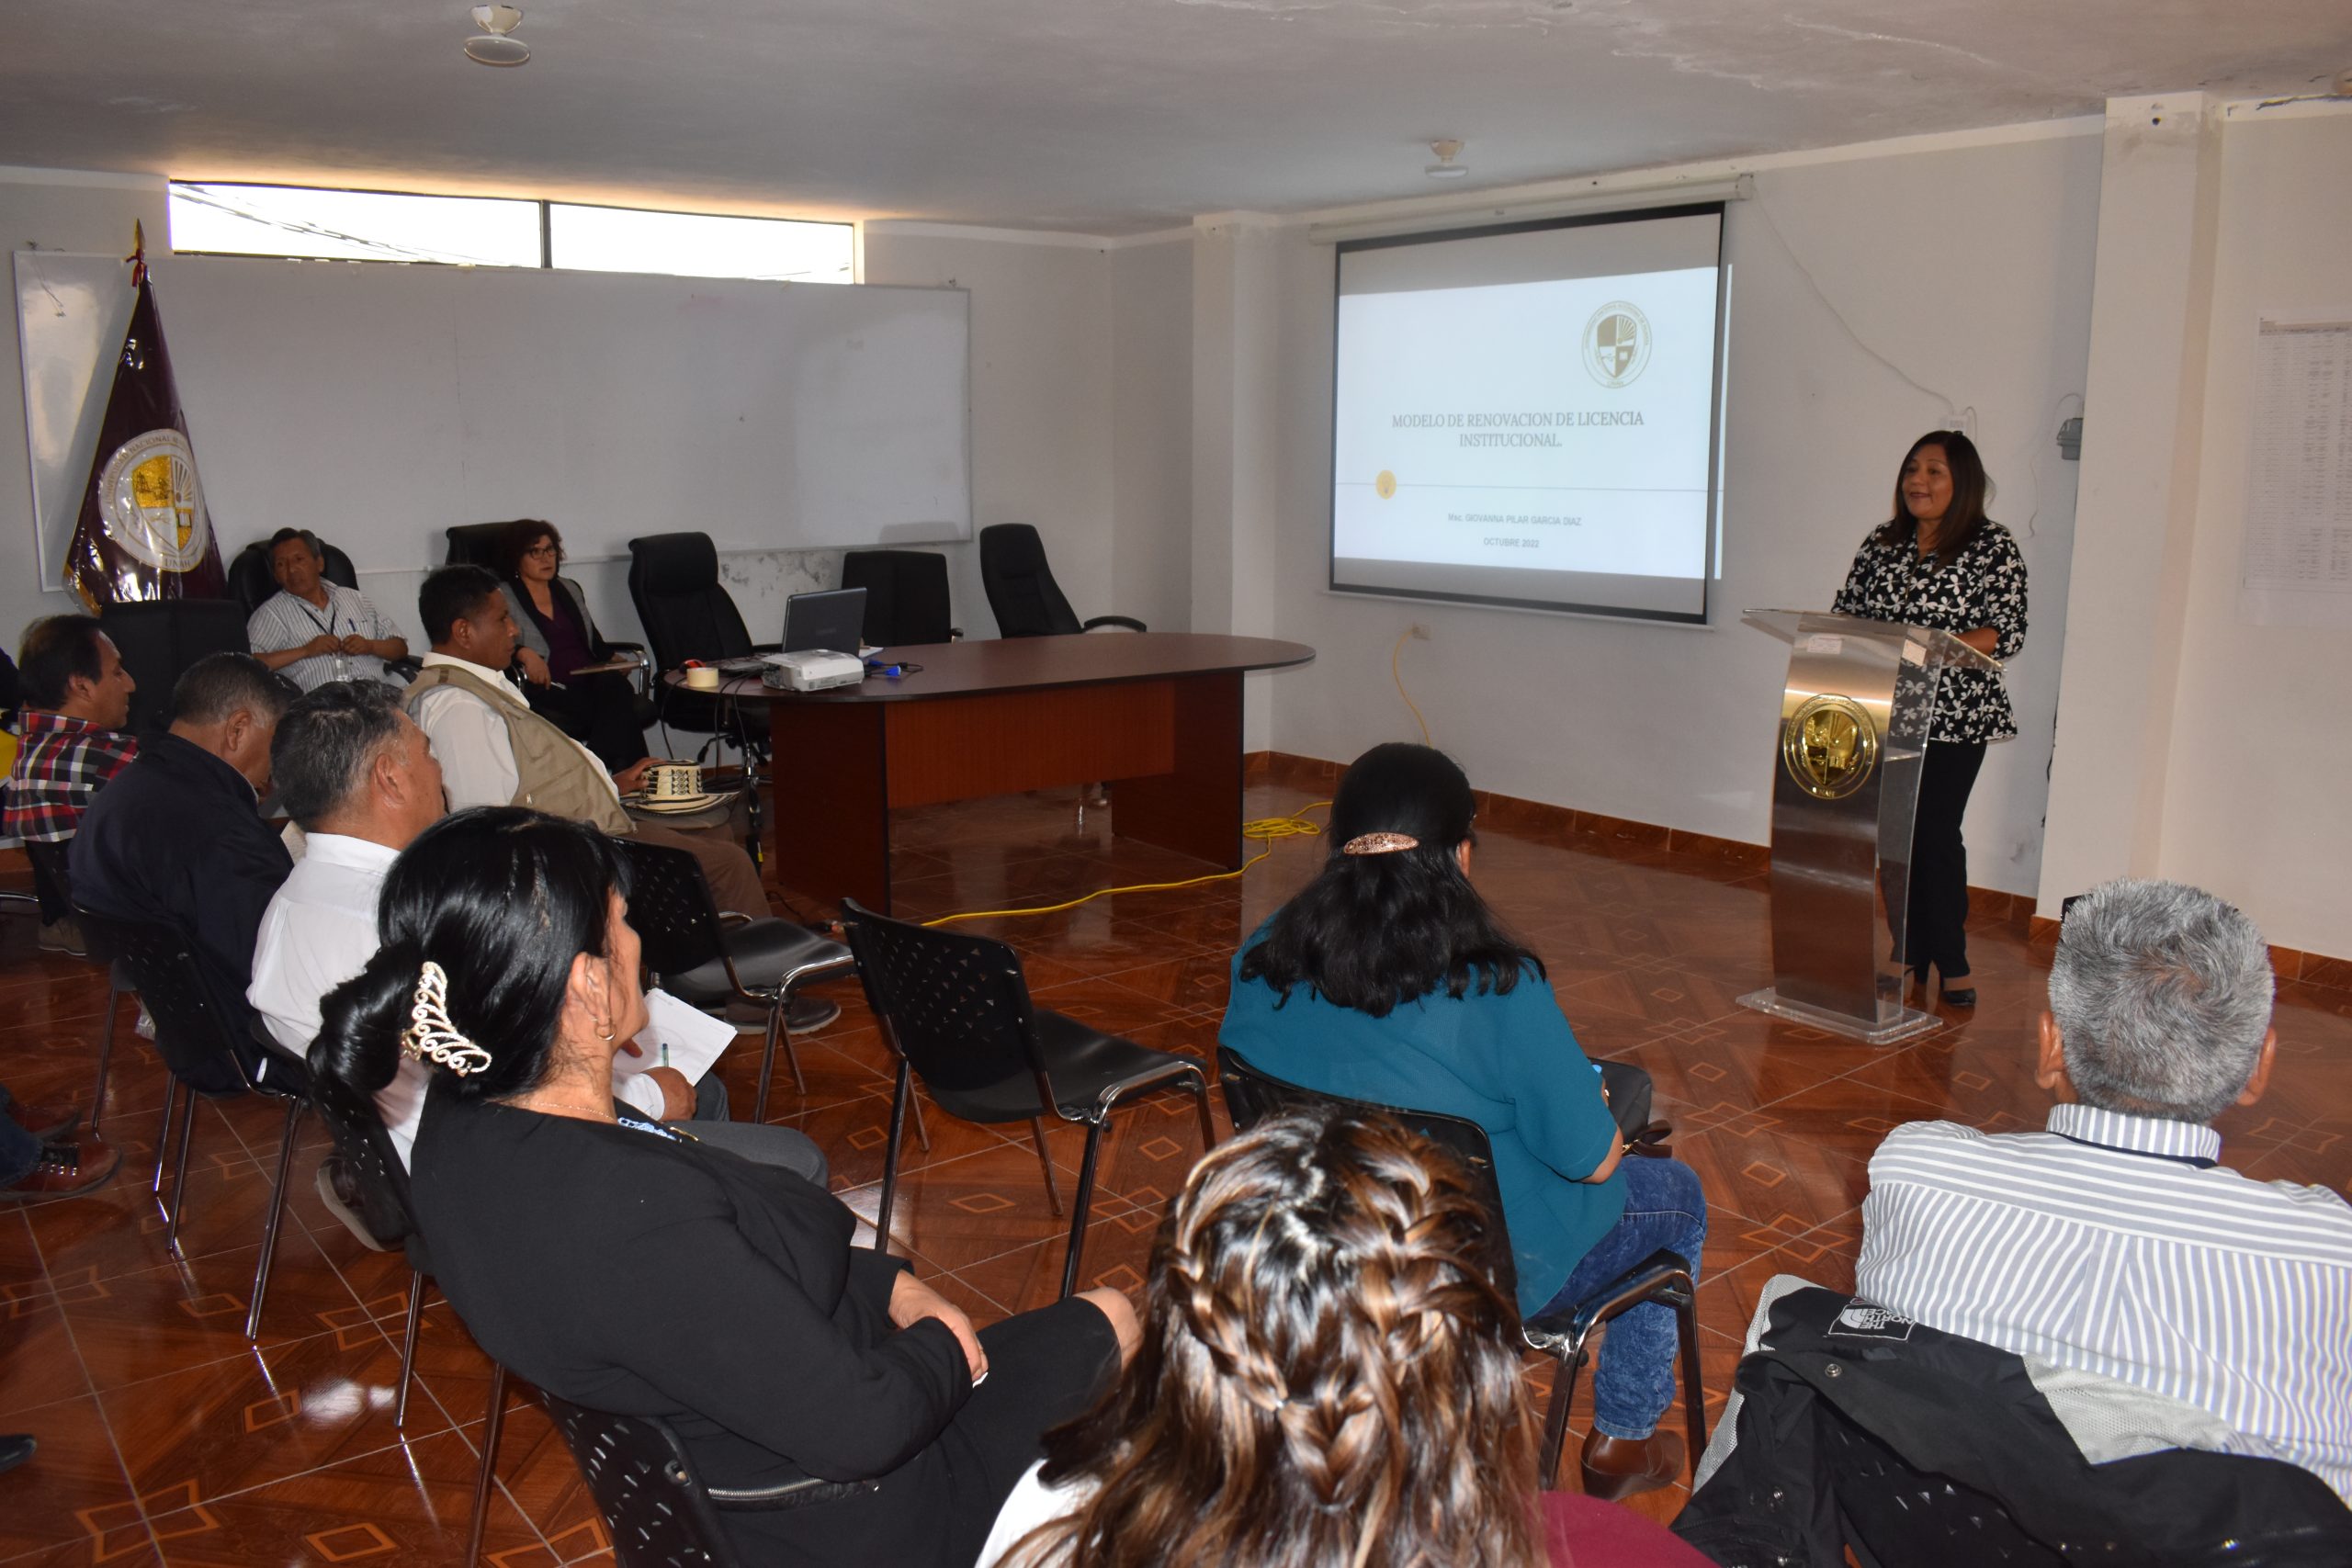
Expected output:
(1845, 782)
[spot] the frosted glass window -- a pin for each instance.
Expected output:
(354, 225)
(690, 244)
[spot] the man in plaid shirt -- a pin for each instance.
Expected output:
(77, 697)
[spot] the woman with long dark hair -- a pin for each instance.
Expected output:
(1938, 561)
(1328, 1376)
(1387, 979)
(626, 1266)
(559, 639)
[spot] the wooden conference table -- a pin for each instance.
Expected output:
(1159, 714)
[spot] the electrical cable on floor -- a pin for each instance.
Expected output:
(1267, 831)
(1397, 673)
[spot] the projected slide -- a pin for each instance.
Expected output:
(1540, 440)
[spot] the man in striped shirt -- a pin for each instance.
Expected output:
(2113, 1243)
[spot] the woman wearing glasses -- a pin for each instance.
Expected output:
(559, 639)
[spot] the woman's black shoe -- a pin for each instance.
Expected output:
(1964, 998)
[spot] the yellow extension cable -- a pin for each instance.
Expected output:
(1397, 673)
(1266, 830)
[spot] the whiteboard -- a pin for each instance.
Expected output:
(380, 404)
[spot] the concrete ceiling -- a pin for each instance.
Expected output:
(1099, 116)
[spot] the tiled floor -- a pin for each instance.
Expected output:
(166, 1437)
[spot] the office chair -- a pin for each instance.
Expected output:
(705, 958)
(192, 1033)
(906, 595)
(688, 613)
(250, 580)
(955, 1010)
(1023, 593)
(1561, 1335)
(159, 639)
(473, 544)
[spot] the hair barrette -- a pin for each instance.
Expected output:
(1379, 843)
(431, 1035)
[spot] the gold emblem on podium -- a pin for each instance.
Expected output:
(1829, 746)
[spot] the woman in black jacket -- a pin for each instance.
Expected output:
(626, 1268)
(558, 638)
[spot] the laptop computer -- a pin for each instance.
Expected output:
(828, 622)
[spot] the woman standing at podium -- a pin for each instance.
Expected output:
(1939, 562)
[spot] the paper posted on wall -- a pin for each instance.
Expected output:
(2298, 557)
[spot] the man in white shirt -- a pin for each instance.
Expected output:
(2114, 1243)
(360, 779)
(313, 631)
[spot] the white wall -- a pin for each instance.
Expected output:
(2253, 794)
(1152, 368)
(1968, 267)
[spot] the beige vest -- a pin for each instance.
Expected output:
(552, 773)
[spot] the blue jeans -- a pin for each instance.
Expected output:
(1634, 1381)
(20, 1150)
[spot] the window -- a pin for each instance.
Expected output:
(463, 231)
(621, 239)
(354, 225)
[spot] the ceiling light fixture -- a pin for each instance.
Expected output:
(1445, 168)
(491, 46)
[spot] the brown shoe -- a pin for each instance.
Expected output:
(46, 1122)
(1616, 1468)
(66, 1169)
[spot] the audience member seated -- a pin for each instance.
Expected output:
(1327, 1376)
(77, 699)
(559, 637)
(627, 1266)
(357, 775)
(2113, 1242)
(177, 839)
(40, 1158)
(316, 631)
(1387, 979)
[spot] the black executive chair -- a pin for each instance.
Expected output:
(688, 613)
(250, 580)
(1023, 593)
(159, 639)
(906, 595)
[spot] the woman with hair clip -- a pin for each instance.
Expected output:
(1387, 979)
(628, 1267)
(1328, 1376)
(1938, 561)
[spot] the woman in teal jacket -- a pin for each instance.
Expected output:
(1387, 979)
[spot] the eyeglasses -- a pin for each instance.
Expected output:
(541, 549)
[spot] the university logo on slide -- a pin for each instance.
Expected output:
(150, 502)
(1617, 343)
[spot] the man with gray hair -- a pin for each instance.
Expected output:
(360, 780)
(2113, 1243)
(316, 631)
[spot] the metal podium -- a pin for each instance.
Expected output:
(1845, 781)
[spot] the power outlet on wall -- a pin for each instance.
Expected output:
(1418, 632)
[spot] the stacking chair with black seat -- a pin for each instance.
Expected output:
(1022, 591)
(957, 1011)
(1564, 1335)
(906, 596)
(159, 639)
(192, 1032)
(52, 891)
(380, 1181)
(707, 959)
(687, 614)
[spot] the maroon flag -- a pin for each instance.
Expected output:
(143, 532)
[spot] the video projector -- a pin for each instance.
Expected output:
(816, 669)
